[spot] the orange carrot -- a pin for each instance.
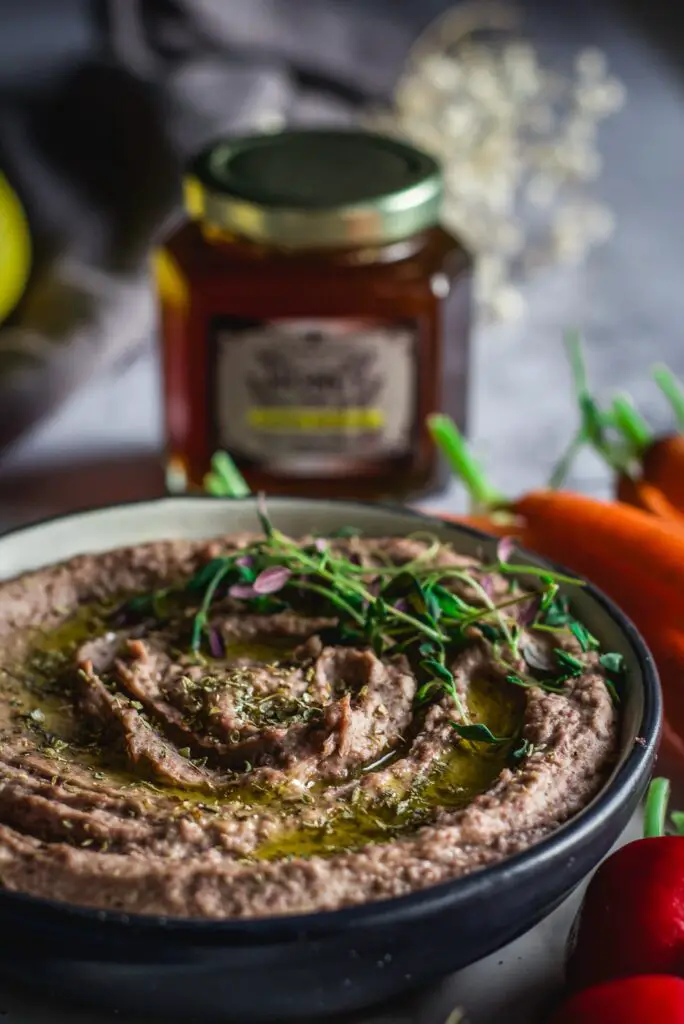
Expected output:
(625, 551)
(619, 547)
(660, 460)
(649, 497)
(663, 467)
(499, 528)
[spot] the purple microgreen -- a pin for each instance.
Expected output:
(245, 561)
(537, 657)
(271, 580)
(504, 549)
(217, 647)
(487, 583)
(242, 591)
(528, 612)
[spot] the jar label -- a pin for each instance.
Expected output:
(314, 397)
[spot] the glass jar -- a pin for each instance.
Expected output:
(313, 314)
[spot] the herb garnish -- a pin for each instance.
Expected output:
(413, 608)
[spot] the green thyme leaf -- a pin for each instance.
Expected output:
(586, 641)
(441, 671)
(489, 632)
(425, 691)
(522, 751)
(516, 680)
(450, 604)
(613, 662)
(568, 662)
(557, 613)
(204, 575)
(478, 733)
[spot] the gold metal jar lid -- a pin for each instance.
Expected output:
(316, 188)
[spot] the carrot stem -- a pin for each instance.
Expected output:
(225, 480)
(673, 390)
(593, 422)
(631, 424)
(656, 808)
(452, 444)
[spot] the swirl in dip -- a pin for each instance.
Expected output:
(256, 726)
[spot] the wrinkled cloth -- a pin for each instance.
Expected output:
(96, 149)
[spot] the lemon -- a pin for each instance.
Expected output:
(15, 248)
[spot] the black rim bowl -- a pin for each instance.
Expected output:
(292, 968)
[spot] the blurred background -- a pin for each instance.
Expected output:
(101, 103)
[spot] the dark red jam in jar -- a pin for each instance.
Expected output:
(313, 314)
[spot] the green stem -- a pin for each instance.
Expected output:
(656, 808)
(593, 421)
(507, 568)
(225, 480)
(452, 444)
(353, 586)
(334, 598)
(560, 471)
(673, 390)
(575, 352)
(478, 614)
(427, 630)
(631, 424)
(201, 616)
(465, 577)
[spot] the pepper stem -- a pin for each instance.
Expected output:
(452, 444)
(673, 390)
(225, 480)
(656, 808)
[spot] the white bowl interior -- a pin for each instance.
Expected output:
(121, 525)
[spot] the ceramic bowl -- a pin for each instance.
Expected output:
(294, 968)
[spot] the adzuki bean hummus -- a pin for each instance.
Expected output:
(255, 726)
